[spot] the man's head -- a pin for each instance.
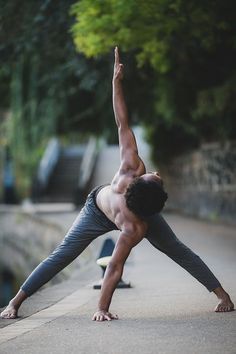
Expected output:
(145, 195)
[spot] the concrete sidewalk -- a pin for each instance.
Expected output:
(166, 311)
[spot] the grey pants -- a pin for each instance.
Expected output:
(91, 223)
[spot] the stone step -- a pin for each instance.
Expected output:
(64, 179)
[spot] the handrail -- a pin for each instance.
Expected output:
(87, 164)
(48, 162)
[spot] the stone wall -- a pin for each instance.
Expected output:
(203, 182)
(25, 240)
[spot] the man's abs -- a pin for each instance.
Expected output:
(103, 200)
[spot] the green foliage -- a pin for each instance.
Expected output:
(67, 86)
(180, 71)
(45, 85)
(217, 102)
(189, 45)
(103, 24)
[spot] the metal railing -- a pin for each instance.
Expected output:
(48, 162)
(87, 168)
(87, 164)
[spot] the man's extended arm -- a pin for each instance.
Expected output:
(130, 159)
(113, 275)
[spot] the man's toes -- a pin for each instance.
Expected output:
(223, 308)
(4, 315)
(219, 309)
(8, 315)
(227, 308)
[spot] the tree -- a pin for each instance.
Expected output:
(47, 87)
(190, 45)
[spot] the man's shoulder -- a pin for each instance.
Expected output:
(132, 224)
(135, 232)
(120, 183)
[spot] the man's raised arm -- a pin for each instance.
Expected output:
(128, 147)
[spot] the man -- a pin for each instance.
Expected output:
(130, 204)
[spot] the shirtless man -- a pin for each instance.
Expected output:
(130, 204)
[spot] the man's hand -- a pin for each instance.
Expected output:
(104, 316)
(118, 67)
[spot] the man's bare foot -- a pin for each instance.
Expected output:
(225, 304)
(12, 308)
(10, 311)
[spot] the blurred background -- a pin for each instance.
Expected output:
(56, 115)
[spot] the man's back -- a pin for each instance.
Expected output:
(112, 203)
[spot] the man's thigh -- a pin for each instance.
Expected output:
(86, 228)
(161, 235)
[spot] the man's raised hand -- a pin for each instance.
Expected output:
(118, 67)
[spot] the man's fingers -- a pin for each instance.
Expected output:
(114, 317)
(117, 59)
(121, 66)
(105, 316)
(98, 318)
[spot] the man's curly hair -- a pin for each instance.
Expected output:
(145, 198)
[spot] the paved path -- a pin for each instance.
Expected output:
(166, 311)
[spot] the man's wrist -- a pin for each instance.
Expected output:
(103, 307)
(116, 81)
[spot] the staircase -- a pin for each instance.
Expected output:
(64, 179)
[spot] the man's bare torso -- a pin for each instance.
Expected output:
(112, 202)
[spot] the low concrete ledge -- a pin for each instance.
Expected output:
(25, 239)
